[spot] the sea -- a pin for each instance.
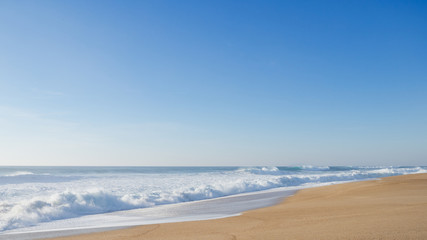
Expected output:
(66, 200)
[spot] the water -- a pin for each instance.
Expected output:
(49, 198)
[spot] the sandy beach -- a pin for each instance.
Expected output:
(389, 208)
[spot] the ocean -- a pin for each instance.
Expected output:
(37, 199)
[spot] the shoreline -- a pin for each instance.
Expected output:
(206, 209)
(388, 208)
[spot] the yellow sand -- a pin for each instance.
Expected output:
(390, 208)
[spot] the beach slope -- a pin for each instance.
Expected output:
(389, 208)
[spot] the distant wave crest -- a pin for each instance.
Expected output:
(29, 177)
(18, 173)
(260, 170)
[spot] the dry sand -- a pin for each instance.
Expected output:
(390, 208)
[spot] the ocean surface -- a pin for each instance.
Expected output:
(52, 198)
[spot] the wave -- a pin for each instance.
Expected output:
(260, 170)
(314, 168)
(29, 177)
(19, 173)
(281, 170)
(69, 204)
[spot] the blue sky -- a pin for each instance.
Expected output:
(213, 82)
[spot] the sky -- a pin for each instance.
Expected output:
(207, 83)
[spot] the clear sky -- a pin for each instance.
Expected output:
(213, 82)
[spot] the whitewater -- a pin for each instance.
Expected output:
(37, 199)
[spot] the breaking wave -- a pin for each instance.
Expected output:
(18, 173)
(74, 203)
(29, 177)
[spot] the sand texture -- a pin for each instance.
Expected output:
(390, 208)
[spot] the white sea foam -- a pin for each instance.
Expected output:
(28, 177)
(315, 168)
(260, 170)
(28, 201)
(18, 173)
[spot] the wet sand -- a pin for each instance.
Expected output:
(389, 208)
